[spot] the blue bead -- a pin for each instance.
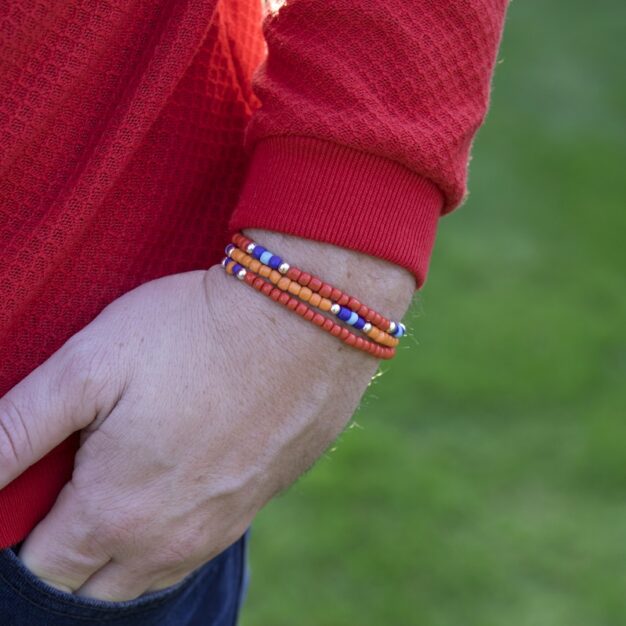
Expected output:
(344, 313)
(275, 262)
(399, 332)
(258, 251)
(228, 248)
(237, 268)
(352, 319)
(265, 257)
(359, 323)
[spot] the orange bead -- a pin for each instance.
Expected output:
(283, 283)
(275, 276)
(294, 288)
(325, 304)
(305, 294)
(315, 299)
(265, 271)
(255, 265)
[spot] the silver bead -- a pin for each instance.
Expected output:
(335, 308)
(283, 268)
(241, 274)
(366, 327)
(392, 328)
(250, 248)
(225, 261)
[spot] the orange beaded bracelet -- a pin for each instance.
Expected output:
(275, 293)
(325, 290)
(304, 293)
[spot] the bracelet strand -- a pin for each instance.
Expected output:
(315, 284)
(305, 311)
(307, 295)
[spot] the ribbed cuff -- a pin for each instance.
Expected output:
(325, 191)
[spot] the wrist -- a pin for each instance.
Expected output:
(381, 285)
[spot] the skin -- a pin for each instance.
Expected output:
(198, 399)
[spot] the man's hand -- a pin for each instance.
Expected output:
(198, 399)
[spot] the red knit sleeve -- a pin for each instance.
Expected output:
(368, 110)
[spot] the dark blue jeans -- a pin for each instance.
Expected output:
(209, 596)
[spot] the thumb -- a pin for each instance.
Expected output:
(60, 396)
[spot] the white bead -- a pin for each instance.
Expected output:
(250, 248)
(335, 308)
(367, 327)
(392, 328)
(241, 274)
(403, 327)
(283, 268)
(225, 261)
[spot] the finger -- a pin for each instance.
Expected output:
(116, 582)
(65, 549)
(57, 398)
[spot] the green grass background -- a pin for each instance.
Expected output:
(484, 480)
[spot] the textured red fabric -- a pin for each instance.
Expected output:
(134, 141)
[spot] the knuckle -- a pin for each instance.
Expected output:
(183, 549)
(80, 358)
(83, 366)
(120, 528)
(14, 437)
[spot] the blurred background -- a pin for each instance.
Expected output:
(483, 480)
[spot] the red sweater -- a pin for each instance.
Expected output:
(133, 143)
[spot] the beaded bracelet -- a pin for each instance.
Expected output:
(396, 329)
(305, 293)
(305, 311)
(315, 284)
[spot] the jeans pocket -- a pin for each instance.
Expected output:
(27, 599)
